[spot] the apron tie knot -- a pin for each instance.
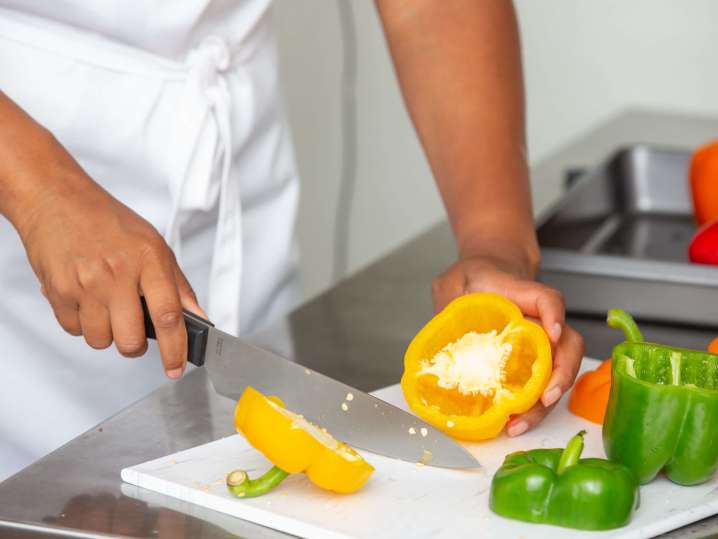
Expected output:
(208, 61)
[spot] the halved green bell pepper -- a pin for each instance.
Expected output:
(552, 486)
(663, 409)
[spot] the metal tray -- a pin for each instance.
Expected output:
(619, 238)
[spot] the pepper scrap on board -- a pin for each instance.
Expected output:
(589, 397)
(474, 364)
(555, 486)
(293, 445)
(663, 410)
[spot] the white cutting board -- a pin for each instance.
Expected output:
(402, 499)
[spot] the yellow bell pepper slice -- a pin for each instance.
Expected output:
(295, 445)
(475, 364)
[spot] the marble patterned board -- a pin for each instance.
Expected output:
(401, 499)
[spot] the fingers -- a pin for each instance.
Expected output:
(157, 282)
(542, 302)
(102, 311)
(551, 311)
(104, 306)
(95, 257)
(526, 421)
(95, 323)
(127, 321)
(64, 306)
(68, 317)
(566, 362)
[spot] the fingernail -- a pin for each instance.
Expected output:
(556, 330)
(517, 428)
(551, 395)
(175, 373)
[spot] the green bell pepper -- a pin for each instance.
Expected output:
(552, 486)
(663, 409)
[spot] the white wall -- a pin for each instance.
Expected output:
(584, 61)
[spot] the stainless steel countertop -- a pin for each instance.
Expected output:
(356, 332)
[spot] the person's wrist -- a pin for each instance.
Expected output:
(518, 256)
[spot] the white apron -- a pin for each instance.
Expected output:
(173, 107)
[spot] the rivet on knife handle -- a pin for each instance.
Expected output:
(197, 331)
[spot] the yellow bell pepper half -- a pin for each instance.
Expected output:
(295, 445)
(474, 364)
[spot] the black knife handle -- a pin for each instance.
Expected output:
(197, 332)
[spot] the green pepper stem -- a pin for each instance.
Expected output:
(239, 483)
(620, 319)
(571, 453)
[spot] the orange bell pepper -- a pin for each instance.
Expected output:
(704, 183)
(589, 397)
(295, 445)
(475, 364)
(713, 346)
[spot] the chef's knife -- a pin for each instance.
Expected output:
(351, 415)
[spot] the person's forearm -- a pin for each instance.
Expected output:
(459, 67)
(33, 165)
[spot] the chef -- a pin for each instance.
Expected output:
(143, 147)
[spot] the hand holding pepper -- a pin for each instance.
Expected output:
(474, 365)
(511, 278)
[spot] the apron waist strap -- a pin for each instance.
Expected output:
(201, 173)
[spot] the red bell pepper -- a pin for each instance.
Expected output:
(703, 248)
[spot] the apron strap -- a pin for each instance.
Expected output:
(200, 163)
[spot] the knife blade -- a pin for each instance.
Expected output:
(357, 418)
